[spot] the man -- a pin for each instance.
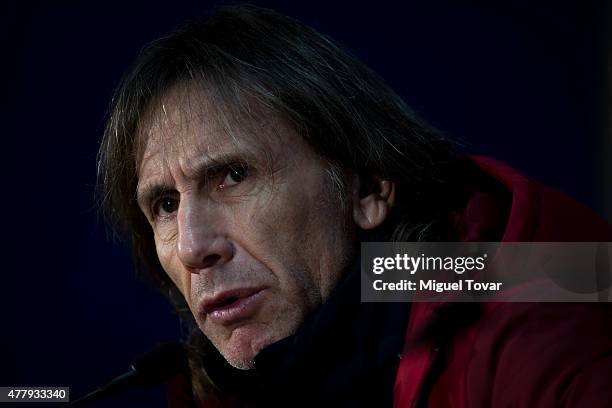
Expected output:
(248, 156)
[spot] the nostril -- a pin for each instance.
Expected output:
(210, 260)
(203, 252)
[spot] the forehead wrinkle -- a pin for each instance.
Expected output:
(181, 133)
(191, 111)
(178, 170)
(178, 110)
(175, 141)
(191, 143)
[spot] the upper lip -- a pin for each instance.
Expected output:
(219, 300)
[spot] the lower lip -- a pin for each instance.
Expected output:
(240, 309)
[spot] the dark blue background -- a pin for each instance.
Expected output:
(520, 82)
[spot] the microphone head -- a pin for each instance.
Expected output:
(160, 364)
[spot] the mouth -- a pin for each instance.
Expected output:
(232, 306)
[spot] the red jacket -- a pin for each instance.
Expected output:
(516, 354)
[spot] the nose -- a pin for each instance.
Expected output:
(202, 242)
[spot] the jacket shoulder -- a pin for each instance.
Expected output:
(546, 354)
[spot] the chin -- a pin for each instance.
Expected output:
(247, 341)
(242, 364)
(244, 344)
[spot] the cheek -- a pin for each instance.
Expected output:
(304, 239)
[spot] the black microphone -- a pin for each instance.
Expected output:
(158, 365)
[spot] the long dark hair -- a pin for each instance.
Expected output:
(345, 111)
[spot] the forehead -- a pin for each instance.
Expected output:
(189, 123)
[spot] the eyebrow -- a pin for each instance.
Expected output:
(205, 170)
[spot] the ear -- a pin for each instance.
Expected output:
(372, 201)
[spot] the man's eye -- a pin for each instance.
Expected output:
(165, 206)
(236, 174)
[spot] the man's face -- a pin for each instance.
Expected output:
(248, 226)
